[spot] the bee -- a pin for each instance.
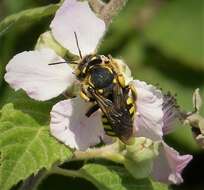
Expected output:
(103, 84)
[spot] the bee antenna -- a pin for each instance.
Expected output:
(62, 62)
(57, 63)
(77, 43)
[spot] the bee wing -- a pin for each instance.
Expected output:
(119, 117)
(103, 102)
(118, 97)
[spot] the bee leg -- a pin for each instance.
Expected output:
(93, 109)
(84, 96)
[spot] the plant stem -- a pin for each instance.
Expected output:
(97, 5)
(65, 172)
(109, 152)
(109, 10)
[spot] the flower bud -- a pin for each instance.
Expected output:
(46, 40)
(139, 156)
(195, 120)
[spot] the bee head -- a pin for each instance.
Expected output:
(85, 64)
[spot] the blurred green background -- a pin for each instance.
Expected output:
(161, 40)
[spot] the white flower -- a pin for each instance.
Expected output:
(156, 114)
(30, 71)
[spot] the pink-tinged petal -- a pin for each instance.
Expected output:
(74, 16)
(149, 120)
(169, 165)
(172, 113)
(70, 125)
(30, 71)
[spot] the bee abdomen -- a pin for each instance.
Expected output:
(107, 127)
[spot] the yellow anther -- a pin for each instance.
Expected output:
(84, 96)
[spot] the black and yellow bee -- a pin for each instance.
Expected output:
(103, 84)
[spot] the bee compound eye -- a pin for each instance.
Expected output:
(101, 77)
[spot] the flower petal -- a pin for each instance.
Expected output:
(171, 113)
(30, 71)
(149, 120)
(70, 125)
(74, 16)
(169, 165)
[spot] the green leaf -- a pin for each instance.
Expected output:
(39, 110)
(27, 17)
(113, 178)
(177, 31)
(25, 147)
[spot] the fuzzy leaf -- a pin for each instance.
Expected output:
(40, 111)
(27, 17)
(114, 178)
(25, 147)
